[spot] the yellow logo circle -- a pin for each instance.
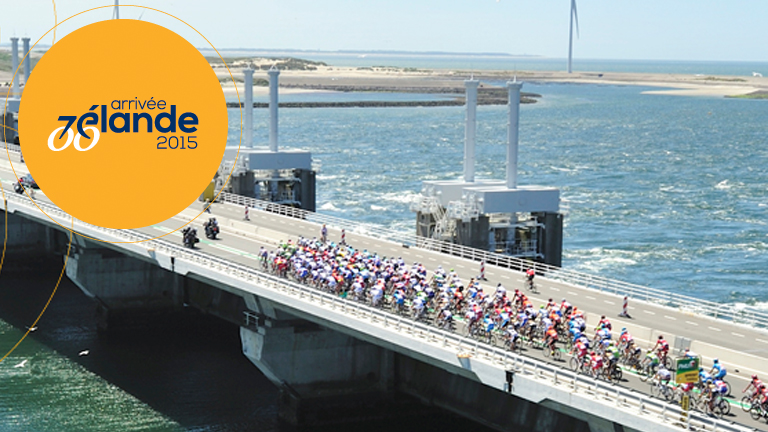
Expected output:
(123, 123)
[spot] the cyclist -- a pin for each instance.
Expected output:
(757, 385)
(718, 371)
(704, 377)
(604, 323)
(651, 359)
(663, 376)
(324, 233)
(446, 317)
(565, 307)
(551, 339)
(662, 348)
(597, 363)
(613, 354)
(500, 292)
(511, 336)
(530, 274)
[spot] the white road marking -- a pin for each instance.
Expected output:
(692, 323)
(422, 256)
(669, 317)
(432, 259)
(760, 340)
(609, 302)
(737, 334)
(572, 293)
(649, 312)
(714, 328)
(555, 289)
(591, 298)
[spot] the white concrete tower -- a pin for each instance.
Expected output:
(470, 130)
(273, 82)
(512, 132)
(15, 65)
(27, 64)
(248, 108)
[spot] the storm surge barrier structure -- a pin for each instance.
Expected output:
(523, 377)
(746, 315)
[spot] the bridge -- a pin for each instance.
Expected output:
(334, 357)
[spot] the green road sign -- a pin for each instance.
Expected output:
(687, 370)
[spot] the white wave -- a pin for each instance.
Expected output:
(400, 197)
(723, 185)
(329, 206)
(563, 169)
(378, 208)
(327, 177)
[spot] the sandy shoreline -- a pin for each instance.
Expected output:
(293, 82)
(669, 84)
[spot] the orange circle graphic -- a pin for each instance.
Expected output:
(123, 123)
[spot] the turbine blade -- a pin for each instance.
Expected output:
(576, 16)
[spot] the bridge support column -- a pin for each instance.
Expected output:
(126, 289)
(325, 377)
(28, 240)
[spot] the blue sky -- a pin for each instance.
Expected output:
(618, 29)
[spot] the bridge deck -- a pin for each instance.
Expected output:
(241, 240)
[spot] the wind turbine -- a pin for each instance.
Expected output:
(574, 17)
(116, 12)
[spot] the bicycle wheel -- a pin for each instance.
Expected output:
(645, 373)
(655, 390)
(755, 411)
(725, 407)
(617, 374)
(746, 403)
(668, 393)
(558, 355)
(573, 363)
(667, 363)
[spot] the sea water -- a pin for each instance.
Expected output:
(663, 191)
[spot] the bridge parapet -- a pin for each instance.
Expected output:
(745, 315)
(531, 379)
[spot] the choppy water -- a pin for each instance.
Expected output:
(663, 191)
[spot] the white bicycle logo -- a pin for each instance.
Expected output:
(71, 137)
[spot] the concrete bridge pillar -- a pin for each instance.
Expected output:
(124, 287)
(325, 377)
(29, 239)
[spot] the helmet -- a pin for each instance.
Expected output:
(661, 337)
(754, 377)
(716, 361)
(624, 330)
(563, 298)
(701, 369)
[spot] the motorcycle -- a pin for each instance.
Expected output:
(190, 237)
(211, 228)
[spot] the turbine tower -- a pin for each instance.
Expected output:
(574, 17)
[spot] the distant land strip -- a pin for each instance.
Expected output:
(378, 104)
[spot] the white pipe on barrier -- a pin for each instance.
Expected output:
(540, 370)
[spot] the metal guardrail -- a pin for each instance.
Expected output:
(743, 315)
(540, 371)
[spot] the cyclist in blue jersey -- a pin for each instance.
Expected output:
(718, 370)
